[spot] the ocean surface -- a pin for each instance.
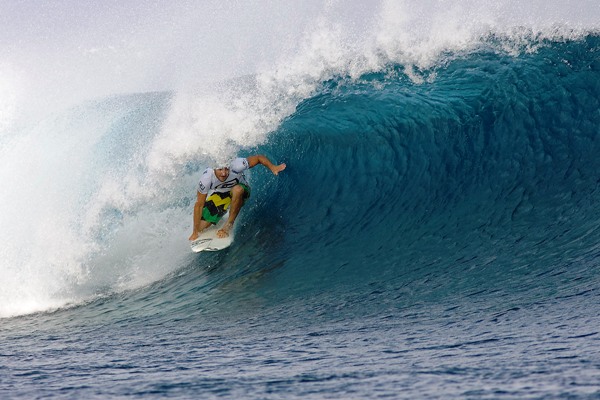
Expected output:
(436, 233)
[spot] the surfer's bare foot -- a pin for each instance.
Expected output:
(224, 232)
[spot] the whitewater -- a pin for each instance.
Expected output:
(435, 234)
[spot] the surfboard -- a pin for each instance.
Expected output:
(208, 240)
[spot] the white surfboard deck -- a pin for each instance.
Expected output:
(208, 240)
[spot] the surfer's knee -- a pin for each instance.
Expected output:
(237, 191)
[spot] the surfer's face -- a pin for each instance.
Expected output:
(222, 173)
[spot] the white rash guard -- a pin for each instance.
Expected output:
(210, 183)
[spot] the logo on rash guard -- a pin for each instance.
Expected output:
(228, 184)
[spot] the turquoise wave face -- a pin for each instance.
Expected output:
(481, 179)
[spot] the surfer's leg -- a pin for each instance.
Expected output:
(214, 208)
(203, 225)
(238, 194)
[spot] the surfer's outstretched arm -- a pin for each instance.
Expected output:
(263, 160)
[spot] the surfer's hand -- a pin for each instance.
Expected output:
(278, 168)
(194, 236)
(224, 232)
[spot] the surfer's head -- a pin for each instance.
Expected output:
(222, 173)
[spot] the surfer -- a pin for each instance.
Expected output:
(229, 190)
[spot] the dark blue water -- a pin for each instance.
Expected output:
(437, 239)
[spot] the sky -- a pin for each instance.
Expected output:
(72, 49)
